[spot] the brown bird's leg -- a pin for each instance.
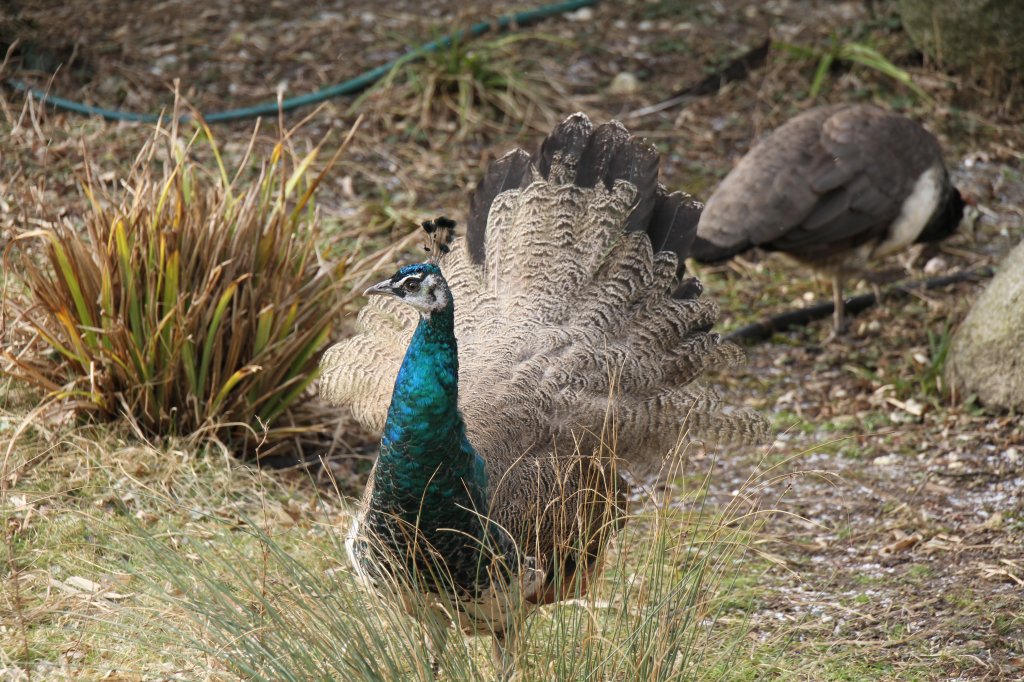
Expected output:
(876, 289)
(839, 307)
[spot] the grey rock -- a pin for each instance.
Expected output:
(980, 38)
(986, 358)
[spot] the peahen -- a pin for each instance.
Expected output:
(496, 487)
(834, 188)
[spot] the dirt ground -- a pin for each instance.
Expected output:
(902, 541)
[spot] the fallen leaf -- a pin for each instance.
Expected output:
(77, 585)
(902, 543)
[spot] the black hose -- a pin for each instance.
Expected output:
(763, 330)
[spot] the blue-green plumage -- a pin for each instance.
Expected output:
(429, 506)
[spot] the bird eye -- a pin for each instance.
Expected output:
(412, 285)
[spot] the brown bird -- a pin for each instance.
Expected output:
(835, 188)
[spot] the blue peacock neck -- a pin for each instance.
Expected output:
(427, 472)
(429, 496)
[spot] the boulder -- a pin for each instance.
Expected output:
(986, 358)
(979, 38)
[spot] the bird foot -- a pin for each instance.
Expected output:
(504, 661)
(836, 333)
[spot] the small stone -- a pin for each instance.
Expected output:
(913, 407)
(624, 83)
(582, 14)
(994, 521)
(935, 265)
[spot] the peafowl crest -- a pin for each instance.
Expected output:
(513, 374)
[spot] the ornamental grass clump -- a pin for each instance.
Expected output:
(190, 301)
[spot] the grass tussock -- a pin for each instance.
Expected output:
(467, 88)
(192, 301)
(271, 605)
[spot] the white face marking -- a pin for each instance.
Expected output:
(438, 292)
(430, 297)
(917, 210)
(401, 283)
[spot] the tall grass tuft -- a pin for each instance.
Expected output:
(192, 301)
(469, 87)
(667, 605)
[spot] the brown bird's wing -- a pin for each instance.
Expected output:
(827, 180)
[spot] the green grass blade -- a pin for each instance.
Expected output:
(211, 337)
(75, 289)
(188, 359)
(824, 64)
(136, 327)
(265, 322)
(232, 381)
(299, 174)
(868, 56)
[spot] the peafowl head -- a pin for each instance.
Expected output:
(420, 285)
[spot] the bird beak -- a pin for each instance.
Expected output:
(380, 289)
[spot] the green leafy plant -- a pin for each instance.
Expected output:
(932, 379)
(465, 87)
(853, 53)
(192, 301)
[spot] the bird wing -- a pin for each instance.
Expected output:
(829, 178)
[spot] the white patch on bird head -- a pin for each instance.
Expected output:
(426, 293)
(917, 210)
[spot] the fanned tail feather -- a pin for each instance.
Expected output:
(572, 305)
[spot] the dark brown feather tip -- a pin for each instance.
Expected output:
(440, 233)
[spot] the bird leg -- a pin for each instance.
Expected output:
(435, 637)
(838, 307)
(503, 654)
(876, 289)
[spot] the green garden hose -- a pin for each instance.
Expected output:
(349, 87)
